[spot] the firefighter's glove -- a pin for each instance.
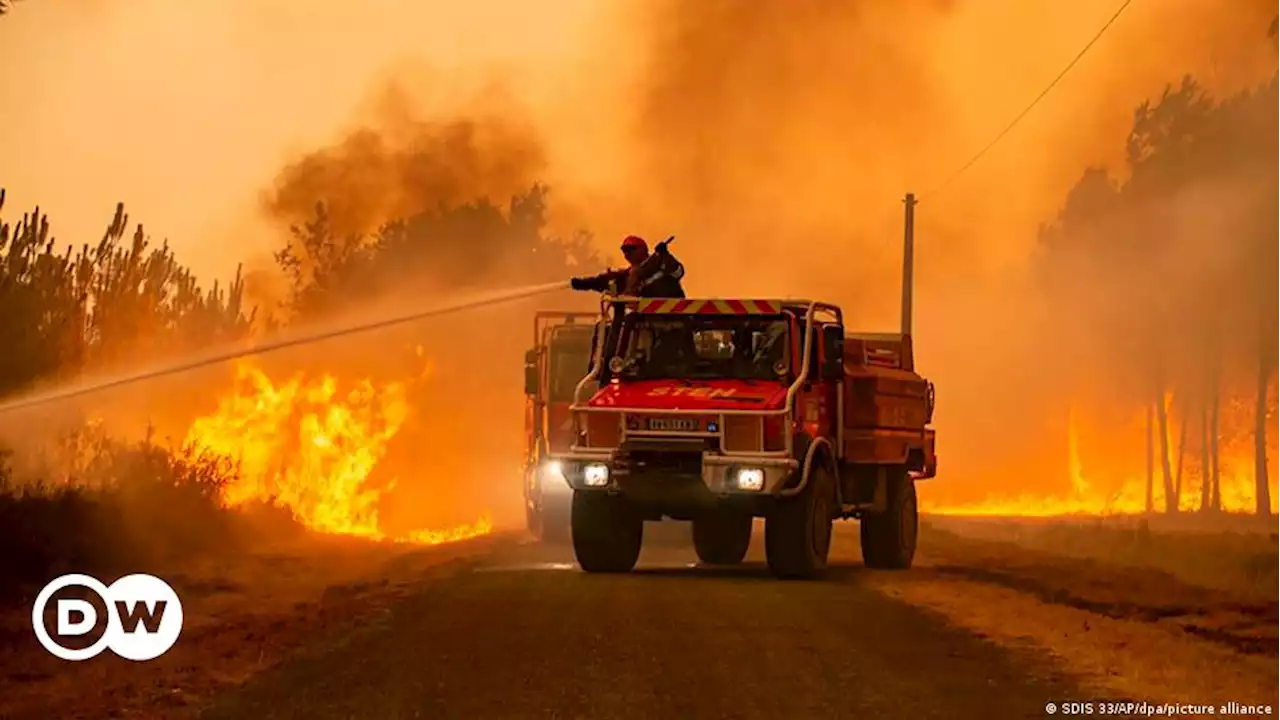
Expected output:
(661, 249)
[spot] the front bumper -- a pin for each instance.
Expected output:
(720, 474)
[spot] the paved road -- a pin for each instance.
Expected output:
(524, 634)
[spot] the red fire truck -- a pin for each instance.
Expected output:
(560, 356)
(719, 411)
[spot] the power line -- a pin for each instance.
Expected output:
(1043, 93)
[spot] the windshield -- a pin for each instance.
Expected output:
(706, 348)
(570, 361)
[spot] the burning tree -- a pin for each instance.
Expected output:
(1180, 261)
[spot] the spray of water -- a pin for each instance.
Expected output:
(279, 343)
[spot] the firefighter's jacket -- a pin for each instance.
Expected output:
(658, 276)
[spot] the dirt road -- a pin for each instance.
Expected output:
(521, 633)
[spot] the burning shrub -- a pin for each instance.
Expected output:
(102, 506)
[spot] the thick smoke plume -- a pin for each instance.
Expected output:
(400, 164)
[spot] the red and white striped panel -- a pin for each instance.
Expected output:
(688, 306)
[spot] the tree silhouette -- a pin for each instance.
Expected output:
(471, 245)
(1180, 261)
(101, 305)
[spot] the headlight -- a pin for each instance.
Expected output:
(595, 475)
(553, 480)
(750, 479)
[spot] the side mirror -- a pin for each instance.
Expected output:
(532, 378)
(833, 352)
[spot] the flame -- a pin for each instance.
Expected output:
(303, 446)
(1236, 488)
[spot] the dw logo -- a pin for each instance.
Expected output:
(139, 617)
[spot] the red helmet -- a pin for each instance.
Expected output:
(635, 242)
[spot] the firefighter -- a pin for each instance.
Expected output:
(652, 275)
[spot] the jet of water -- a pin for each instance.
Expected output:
(224, 355)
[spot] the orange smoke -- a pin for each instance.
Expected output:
(400, 166)
(304, 446)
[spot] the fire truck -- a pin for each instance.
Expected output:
(720, 411)
(553, 368)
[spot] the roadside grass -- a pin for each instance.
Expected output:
(1234, 554)
(105, 507)
(1168, 610)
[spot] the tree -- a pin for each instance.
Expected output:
(1182, 450)
(471, 245)
(1169, 276)
(61, 313)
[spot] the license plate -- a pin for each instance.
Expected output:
(674, 424)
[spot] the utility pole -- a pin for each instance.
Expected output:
(908, 259)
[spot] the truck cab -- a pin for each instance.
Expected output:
(719, 411)
(554, 366)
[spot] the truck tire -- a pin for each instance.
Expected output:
(721, 537)
(889, 538)
(797, 533)
(607, 532)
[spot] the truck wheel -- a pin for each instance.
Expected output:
(607, 532)
(722, 537)
(797, 534)
(889, 538)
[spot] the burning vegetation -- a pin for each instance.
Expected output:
(304, 442)
(308, 447)
(1176, 325)
(1228, 487)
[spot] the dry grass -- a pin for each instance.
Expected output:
(113, 507)
(1112, 657)
(254, 584)
(1167, 615)
(243, 613)
(1237, 555)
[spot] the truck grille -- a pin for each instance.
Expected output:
(603, 430)
(743, 433)
(648, 458)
